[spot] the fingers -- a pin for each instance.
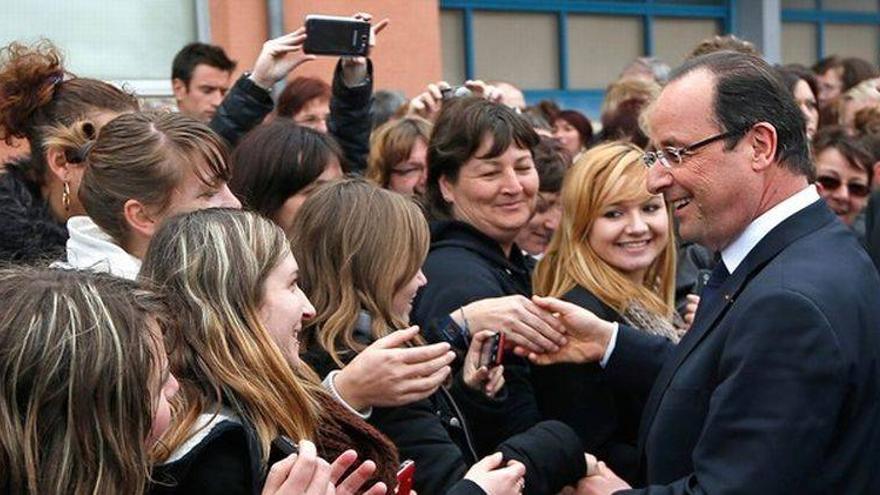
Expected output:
(381, 25)
(530, 337)
(321, 479)
(427, 385)
(396, 339)
(377, 489)
(341, 465)
(534, 317)
(592, 464)
(277, 474)
(490, 462)
(496, 381)
(353, 482)
(517, 468)
(304, 469)
(431, 366)
(554, 305)
(472, 358)
(422, 353)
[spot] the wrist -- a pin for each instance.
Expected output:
(260, 81)
(347, 390)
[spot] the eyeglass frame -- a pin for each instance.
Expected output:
(652, 157)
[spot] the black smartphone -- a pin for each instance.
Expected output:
(330, 35)
(492, 351)
(284, 444)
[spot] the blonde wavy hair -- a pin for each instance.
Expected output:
(212, 264)
(79, 377)
(606, 174)
(357, 246)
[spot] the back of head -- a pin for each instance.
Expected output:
(606, 174)
(651, 68)
(391, 144)
(298, 93)
(77, 381)
(37, 92)
(385, 105)
(748, 91)
(856, 70)
(460, 129)
(277, 160)
(194, 54)
(141, 156)
(551, 162)
(728, 42)
(624, 102)
(357, 245)
(213, 265)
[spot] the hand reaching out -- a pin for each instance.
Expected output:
(279, 57)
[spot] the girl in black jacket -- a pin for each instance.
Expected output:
(361, 250)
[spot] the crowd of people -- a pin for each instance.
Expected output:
(314, 293)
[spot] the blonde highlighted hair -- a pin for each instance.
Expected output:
(213, 264)
(357, 246)
(605, 175)
(78, 379)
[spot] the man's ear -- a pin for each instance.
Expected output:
(446, 189)
(763, 139)
(139, 219)
(180, 88)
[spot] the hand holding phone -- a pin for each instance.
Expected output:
(332, 35)
(492, 351)
(482, 370)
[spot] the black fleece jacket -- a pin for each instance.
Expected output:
(28, 232)
(464, 265)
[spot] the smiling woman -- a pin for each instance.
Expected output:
(613, 254)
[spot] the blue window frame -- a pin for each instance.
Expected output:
(587, 100)
(822, 14)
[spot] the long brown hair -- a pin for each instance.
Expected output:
(37, 92)
(605, 174)
(357, 245)
(391, 144)
(213, 264)
(141, 156)
(76, 382)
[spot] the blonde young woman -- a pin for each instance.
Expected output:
(361, 249)
(84, 383)
(232, 286)
(613, 254)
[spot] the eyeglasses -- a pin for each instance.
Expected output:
(832, 183)
(671, 156)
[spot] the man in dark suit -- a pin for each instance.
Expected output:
(775, 387)
(872, 228)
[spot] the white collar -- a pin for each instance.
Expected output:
(736, 251)
(90, 248)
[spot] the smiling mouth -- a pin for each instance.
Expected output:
(634, 244)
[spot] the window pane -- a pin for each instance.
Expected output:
(674, 39)
(850, 40)
(599, 47)
(798, 4)
(108, 39)
(798, 43)
(852, 5)
(519, 48)
(452, 45)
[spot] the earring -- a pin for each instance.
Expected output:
(65, 197)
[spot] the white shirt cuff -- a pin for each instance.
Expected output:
(608, 350)
(328, 384)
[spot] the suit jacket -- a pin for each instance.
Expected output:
(774, 389)
(872, 228)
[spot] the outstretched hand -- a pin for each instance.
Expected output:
(588, 335)
(279, 57)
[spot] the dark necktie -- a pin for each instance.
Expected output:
(716, 280)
